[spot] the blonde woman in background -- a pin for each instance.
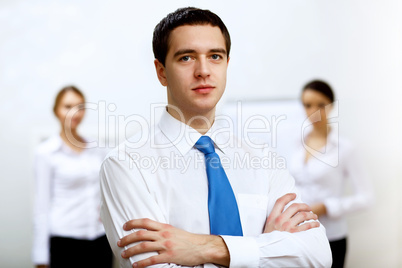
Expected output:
(67, 228)
(323, 165)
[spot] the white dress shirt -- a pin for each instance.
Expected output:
(324, 179)
(164, 179)
(66, 195)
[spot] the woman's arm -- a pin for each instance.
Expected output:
(43, 181)
(362, 195)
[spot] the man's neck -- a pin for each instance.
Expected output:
(200, 122)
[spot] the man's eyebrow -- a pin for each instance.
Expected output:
(183, 51)
(189, 51)
(218, 50)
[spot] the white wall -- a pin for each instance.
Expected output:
(104, 47)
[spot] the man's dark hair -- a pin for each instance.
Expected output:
(184, 16)
(322, 87)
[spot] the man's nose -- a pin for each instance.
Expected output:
(202, 68)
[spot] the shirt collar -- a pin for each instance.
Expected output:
(55, 144)
(332, 138)
(184, 137)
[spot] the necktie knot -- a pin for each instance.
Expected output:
(205, 145)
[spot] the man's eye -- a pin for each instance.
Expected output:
(185, 58)
(216, 57)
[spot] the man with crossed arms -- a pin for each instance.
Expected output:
(203, 216)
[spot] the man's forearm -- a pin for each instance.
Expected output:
(216, 251)
(173, 245)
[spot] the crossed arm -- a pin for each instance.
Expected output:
(287, 240)
(183, 248)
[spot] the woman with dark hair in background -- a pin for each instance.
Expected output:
(323, 165)
(67, 227)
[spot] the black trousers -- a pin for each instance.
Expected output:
(338, 248)
(69, 252)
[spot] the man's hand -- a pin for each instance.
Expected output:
(290, 220)
(173, 245)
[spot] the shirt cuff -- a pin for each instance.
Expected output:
(244, 251)
(333, 207)
(40, 256)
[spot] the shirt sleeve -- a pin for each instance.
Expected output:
(362, 194)
(281, 249)
(43, 181)
(124, 196)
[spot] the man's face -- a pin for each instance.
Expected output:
(195, 69)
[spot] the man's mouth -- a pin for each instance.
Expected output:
(204, 88)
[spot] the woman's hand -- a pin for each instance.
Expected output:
(319, 209)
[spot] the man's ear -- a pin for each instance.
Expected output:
(160, 72)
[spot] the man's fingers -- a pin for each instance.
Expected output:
(143, 224)
(142, 247)
(280, 205)
(294, 209)
(306, 226)
(149, 261)
(140, 235)
(295, 218)
(302, 217)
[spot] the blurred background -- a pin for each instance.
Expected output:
(104, 48)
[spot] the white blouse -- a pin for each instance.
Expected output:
(66, 195)
(325, 177)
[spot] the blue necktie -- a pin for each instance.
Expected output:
(224, 218)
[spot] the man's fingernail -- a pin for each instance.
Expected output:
(125, 226)
(135, 264)
(118, 243)
(123, 254)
